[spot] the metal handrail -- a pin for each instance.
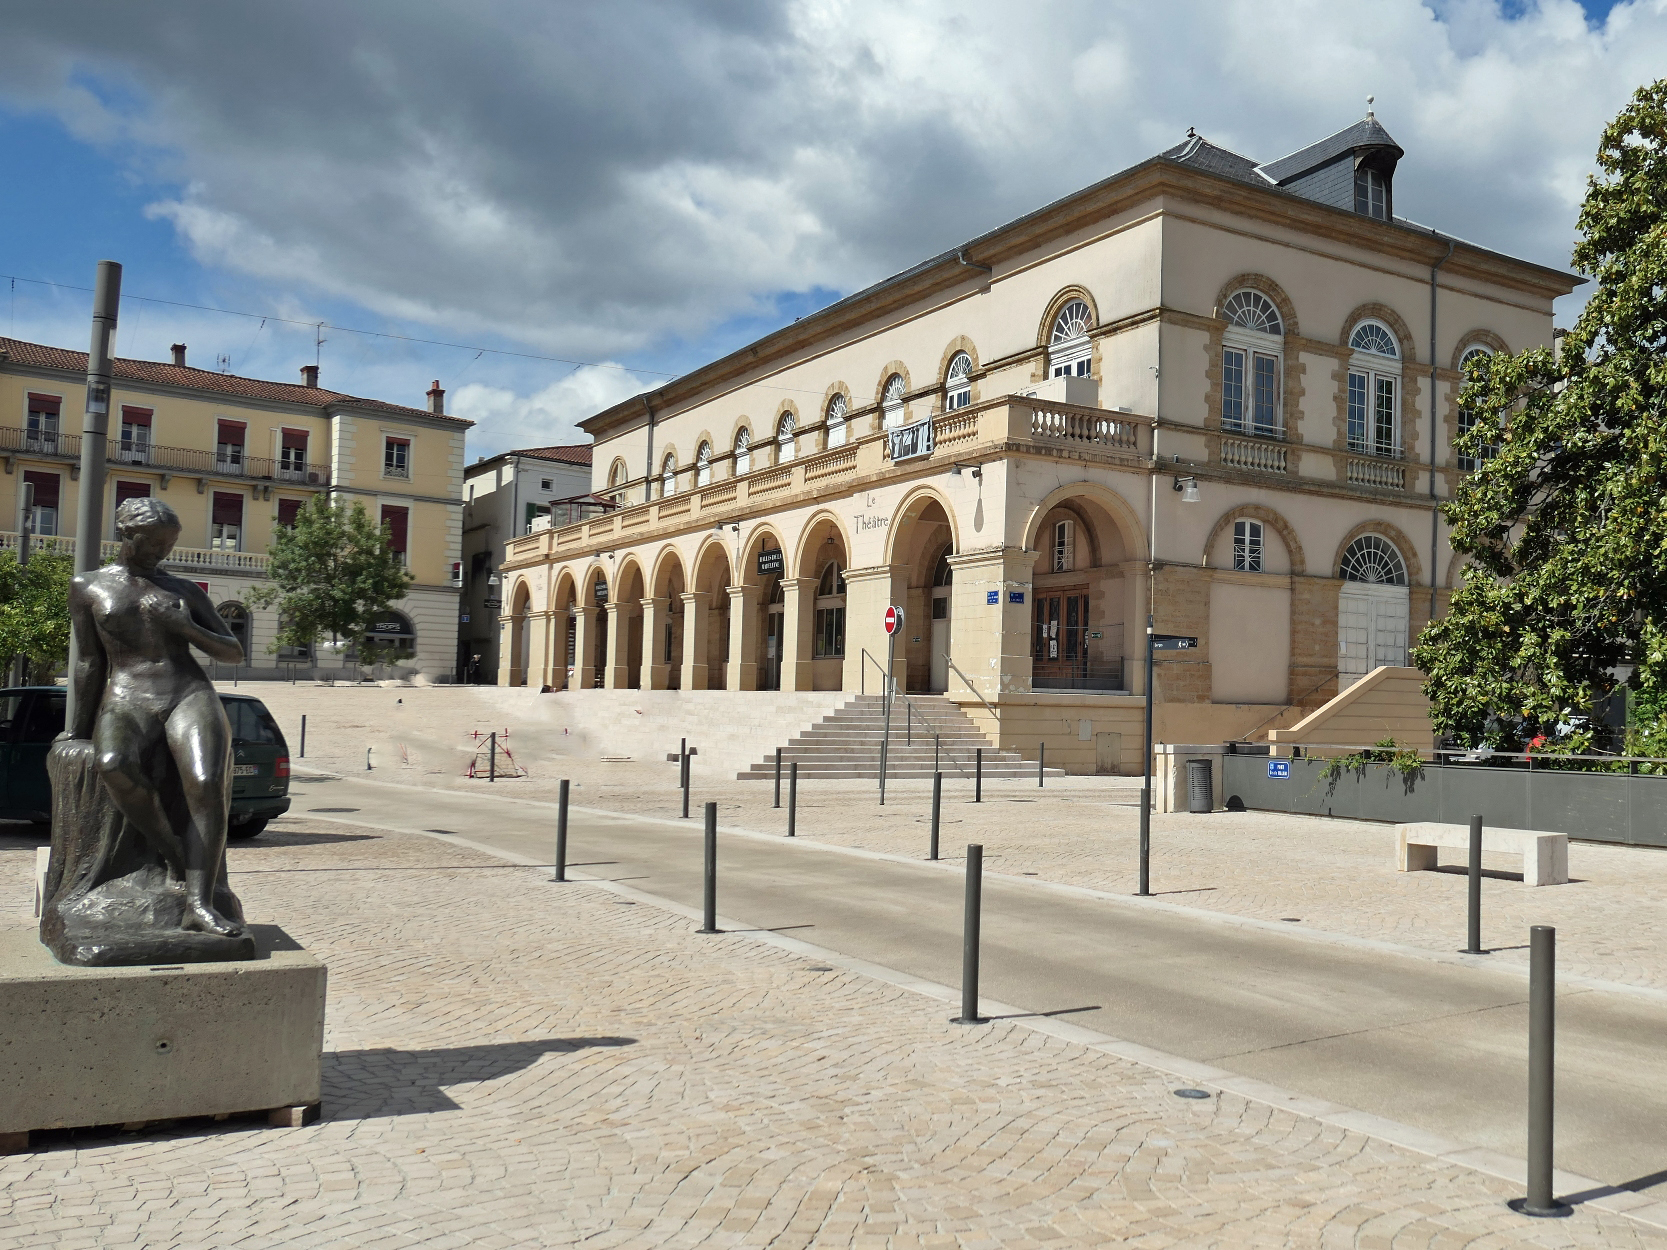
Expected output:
(862, 670)
(956, 669)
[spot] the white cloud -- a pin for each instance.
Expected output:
(602, 180)
(548, 418)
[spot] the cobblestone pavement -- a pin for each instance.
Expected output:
(513, 1063)
(1332, 875)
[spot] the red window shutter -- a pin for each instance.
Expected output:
(396, 519)
(230, 432)
(288, 509)
(131, 490)
(228, 508)
(46, 488)
(136, 416)
(44, 403)
(295, 440)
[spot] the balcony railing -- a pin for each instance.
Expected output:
(168, 459)
(188, 558)
(1244, 453)
(1385, 474)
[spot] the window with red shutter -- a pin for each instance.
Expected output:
(288, 509)
(131, 490)
(45, 515)
(228, 447)
(226, 532)
(397, 522)
(41, 432)
(292, 455)
(134, 447)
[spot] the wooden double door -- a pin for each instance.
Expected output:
(1059, 645)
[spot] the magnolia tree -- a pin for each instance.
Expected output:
(34, 611)
(331, 574)
(1565, 595)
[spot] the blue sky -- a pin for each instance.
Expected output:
(539, 179)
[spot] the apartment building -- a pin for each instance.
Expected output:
(236, 458)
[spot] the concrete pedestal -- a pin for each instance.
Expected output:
(83, 1046)
(1170, 765)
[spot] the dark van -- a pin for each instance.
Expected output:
(32, 716)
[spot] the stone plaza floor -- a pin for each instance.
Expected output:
(514, 1063)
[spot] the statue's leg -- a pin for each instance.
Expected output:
(201, 743)
(122, 736)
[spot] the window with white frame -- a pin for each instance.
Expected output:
(703, 465)
(1069, 351)
(616, 479)
(891, 402)
(830, 611)
(743, 452)
(396, 456)
(1064, 546)
(837, 421)
(785, 441)
(1375, 561)
(1473, 356)
(1251, 355)
(958, 383)
(1247, 546)
(1371, 194)
(1374, 391)
(668, 476)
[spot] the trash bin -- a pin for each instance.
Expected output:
(1200, 787)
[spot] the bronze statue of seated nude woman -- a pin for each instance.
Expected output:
(161, 746)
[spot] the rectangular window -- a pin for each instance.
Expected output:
(131, 490)
(134, 447)
(1357, 412)
(292, 454)
(1266, 412)
(830, 632)
(396, 457)
(1064, 547)
(1384, 439)
(1247, 546)
(41, 432)
(228, 447)
(397, 522)
(1371, 197)
(958, 399)
(288, 510)
(1232, 389)
(45, 515)
(226, 529)
(1467, 422)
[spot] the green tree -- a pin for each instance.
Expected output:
(330, 574)
(34, 610)
(1567, 526)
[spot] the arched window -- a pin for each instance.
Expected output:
(958, 383)
(891, 402)
(743, 452)
(1375, 391)
(1474, 356)
(391, 636)
(830, 611)
(836, 421)
(1374, 560)
(1070, 354)
(616, 480)
(703, 465)
(942, 573)
(1247, 546)
(1252, 353)
(784, 438)
(832, 581)
(668, 476)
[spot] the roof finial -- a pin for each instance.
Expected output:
(1192, 133)
(1370, 116)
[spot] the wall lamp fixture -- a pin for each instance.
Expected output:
(977, 470)
(1188, 486)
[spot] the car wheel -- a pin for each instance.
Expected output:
(246, 829)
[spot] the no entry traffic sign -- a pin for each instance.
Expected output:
(894, 620)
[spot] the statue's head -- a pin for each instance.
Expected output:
(149, 529)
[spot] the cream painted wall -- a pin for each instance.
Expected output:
(1250, 638)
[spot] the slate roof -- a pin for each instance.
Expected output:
(1200, 153)
(1363, 134)
(37, 355)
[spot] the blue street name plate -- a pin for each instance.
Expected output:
(992, 596)
(1279, 768)
(1015, 596)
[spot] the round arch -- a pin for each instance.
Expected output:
(901, 370)
(1267, 286)
(811, 535)
(587, 584)
(1256, 512)
(1396, 323)
(1383, 529)
(1044, 331)
(629, 576)
(748, 575)
(566, 593)
(1475, 338)
(909, 510)
(667, 563)
(1134, 533)
(711, 560)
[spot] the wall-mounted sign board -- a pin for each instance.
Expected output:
(770, 561)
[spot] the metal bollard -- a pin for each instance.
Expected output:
(1542, 1042)
(969, 937)
(709, 887)
(792, 798)
(1145, 841)
(1473, 945)
(1041, 763)
(492, 756)
(937, 805)
(561, 832)
(303, 754)
(367, 759)
(978, 777)
(777, 803)
(683, 778)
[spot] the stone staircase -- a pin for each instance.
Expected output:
(925, 730)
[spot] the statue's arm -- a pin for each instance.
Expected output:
(207, 631)
(92, 666)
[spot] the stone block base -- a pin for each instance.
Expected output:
(85, 1046)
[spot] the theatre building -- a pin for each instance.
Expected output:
(1222, 391)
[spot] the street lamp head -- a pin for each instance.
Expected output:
(1188, 486)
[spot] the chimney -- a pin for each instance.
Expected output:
(309, 376)
(436, 399)
(179, 354)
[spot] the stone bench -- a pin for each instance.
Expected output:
(1545, 856)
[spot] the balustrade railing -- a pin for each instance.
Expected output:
(1082, 426)
(1245, 453)
(181, 557)
(1385, 474)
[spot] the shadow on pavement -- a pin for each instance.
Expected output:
(363, 1084)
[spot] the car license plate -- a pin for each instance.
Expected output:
(245, 770)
